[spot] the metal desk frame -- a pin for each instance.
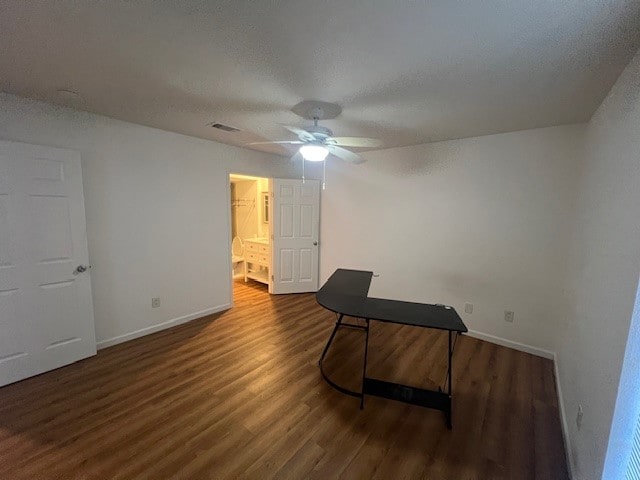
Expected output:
(436, 399)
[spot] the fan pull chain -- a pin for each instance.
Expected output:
(302, 169)
(324, 172)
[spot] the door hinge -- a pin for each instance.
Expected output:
(272, 278)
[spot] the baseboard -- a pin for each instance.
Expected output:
(540, 352)
(563, 419)
(161, 326)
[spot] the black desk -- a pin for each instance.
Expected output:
(345, 293)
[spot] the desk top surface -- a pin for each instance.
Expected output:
(346, 292)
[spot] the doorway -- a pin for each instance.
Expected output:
(275, 225)
(250, 233)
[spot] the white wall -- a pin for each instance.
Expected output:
(482, 220)
(603, 273)
(157, 211)
(263, 186)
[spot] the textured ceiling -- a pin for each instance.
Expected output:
(405, 72)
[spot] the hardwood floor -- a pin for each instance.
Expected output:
(239, 395)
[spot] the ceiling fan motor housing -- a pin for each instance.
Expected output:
(319, 131)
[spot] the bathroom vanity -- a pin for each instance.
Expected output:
(257, 259)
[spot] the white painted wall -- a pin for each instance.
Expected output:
(603, 272)
(263, 186)
(483, 220)
(157, 206)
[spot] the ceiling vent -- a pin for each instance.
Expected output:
(225, 128)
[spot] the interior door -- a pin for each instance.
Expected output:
(296, 225)
(46, 310)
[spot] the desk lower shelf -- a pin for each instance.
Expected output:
(413, 395)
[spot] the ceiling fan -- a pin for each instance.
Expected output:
(317, 142)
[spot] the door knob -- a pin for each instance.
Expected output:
(315, 243)
(81, 269)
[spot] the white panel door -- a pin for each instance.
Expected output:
(46, 311)
(296, 225)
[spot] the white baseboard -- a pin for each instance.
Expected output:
(161, 326)
(563, 419)
(540, 352)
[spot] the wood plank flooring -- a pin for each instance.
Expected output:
(239, 395)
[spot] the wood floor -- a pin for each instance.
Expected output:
(239, 395)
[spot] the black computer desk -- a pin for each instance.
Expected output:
(345, 293)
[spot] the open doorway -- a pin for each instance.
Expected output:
(275, 226)
(250, 233)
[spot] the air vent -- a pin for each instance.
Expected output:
(225, 128)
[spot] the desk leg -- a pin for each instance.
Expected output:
(448, 412)
(364, 367)
(333, 334)
(339, 324)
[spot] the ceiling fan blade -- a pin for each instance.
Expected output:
(302, 134)
(345, 154)
(362, 142)
(280, 142)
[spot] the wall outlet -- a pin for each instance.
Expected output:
(508, 316)
(155, 302)
(579, 416)
(468, 308)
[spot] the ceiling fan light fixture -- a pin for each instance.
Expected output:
(314, 153)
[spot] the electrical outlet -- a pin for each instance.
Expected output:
(579, 416)
(155, 302)
(468, 308)
(508, 316)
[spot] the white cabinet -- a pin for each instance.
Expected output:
(257, 259)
